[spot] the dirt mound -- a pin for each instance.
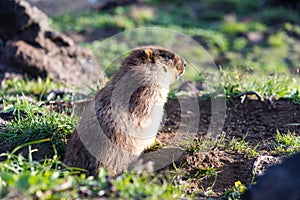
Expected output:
(258, 119)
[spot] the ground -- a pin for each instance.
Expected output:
(257, 120)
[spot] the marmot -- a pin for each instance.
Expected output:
(125, 116)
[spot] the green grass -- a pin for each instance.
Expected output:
(232, 27)
(296, 97)
(241, 146)
(80, 21)
(286, 143)
(278, 86)
(156, 146)
(32, 178)
(48, 178)
(277, 39)
(32, 122)
(279, 15)
(204, 174)
(29, 86)
(52, 180)
(147, 187)
(32, 88)
(198, 145)
(231, 145)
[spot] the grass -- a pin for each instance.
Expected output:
(287, 143)
(240, 145)
(49, 178)
(156, 146)
(34, 89)
(52, 180)
(31, 178)
(37, 86)
(32, 122)
(198, 145)
(79, 21)
(232, 27)
(206, 172)
(134, 187)
(278, 86)
(230, 145)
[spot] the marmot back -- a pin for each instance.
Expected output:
(125, 115)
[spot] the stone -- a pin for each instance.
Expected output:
(262, 163)
(30, 45)
(18, 15)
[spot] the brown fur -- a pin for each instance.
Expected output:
(125, 116)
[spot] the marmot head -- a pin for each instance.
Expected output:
(147, 56)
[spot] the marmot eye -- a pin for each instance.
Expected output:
(166, 55)
(169, 56)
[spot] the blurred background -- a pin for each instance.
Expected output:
(252, 35)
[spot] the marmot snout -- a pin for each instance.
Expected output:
(126, 114)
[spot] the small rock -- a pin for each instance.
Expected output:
(255, 37)
(32, 46)
(262, 163)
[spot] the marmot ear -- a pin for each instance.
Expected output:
(149, 54)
